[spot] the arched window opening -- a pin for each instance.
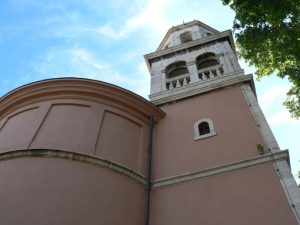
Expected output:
(176, 69)
(203, 128)
(185, 37)
(206, 60)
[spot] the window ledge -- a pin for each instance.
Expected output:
(199, 137)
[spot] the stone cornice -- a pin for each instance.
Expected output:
(200, 87)
(62, 154)
(165, 182)
(202, 41)
(183, 26)
(78, 88)
(272, 157)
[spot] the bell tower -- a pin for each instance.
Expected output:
(215, 158)
(191, 58)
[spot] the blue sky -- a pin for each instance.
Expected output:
(106, 40)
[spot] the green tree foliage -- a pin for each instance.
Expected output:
(268, 37)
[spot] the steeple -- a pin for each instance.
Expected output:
(191, 57)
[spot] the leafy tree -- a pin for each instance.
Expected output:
(268, 37)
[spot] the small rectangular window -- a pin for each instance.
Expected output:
(185, 37)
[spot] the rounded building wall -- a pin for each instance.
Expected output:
(46, 191)
(73, 151)
(79, 126)
(78, 115)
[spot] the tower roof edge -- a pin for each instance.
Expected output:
(183, 26)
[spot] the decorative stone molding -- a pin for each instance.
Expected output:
(272, 157)
(283, 169)
(61, 154)
(260, 119)
(211, 129)
(191, 63)
(200, 87)
(184, 26)
(78, 88)
(159, 55)
(162, 183)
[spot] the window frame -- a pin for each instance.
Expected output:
(210, 57)
(186, 37)
(175, 66)
(211, 128)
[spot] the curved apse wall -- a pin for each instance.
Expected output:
(73, 151)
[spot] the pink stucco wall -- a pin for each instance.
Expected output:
(249, 196)
(176, 152)
(81, 126)
(49, 191)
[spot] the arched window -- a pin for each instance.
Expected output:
(185, 37)
(176, 69)
(204, 128)
(206, 60)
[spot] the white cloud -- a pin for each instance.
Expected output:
(153, 15)
(107, 30)
(79, 62)
(275, 93)
(282, 117)
(87, 58)
(143, 80)
(75, 62)
(271, 103)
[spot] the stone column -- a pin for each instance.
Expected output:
(157, 81)
(163, 80)
(193, 71)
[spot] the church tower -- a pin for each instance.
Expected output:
(215, 159)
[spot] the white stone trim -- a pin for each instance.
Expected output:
(283, 169)
(62, 154)
(238, 165)
(260, 119)
(204, 40)
(211, 128)
(199, 87)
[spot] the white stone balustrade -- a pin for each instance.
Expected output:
(178, 81)
(210, 72)
(203, 74)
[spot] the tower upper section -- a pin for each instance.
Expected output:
(186, 32)
(192, 58)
